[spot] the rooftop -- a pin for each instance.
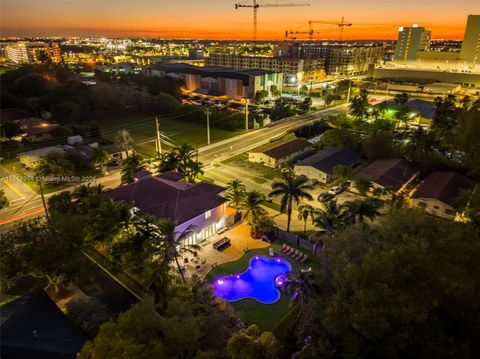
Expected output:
(56, 337)
(443, 186)
(167, 196)
(283, 148)
(330, 157)
(391, 172)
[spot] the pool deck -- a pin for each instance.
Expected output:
(240, 241)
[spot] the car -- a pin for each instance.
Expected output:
(335, 190)
(325, 196)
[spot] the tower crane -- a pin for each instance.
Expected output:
(255, 5)
(342, 24)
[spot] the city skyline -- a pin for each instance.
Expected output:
(217, 19)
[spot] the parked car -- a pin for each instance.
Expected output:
(336, 190)
(325, 196)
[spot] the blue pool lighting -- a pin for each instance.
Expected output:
(259, 281)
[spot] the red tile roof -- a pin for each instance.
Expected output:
(443, 186)
(167, 196)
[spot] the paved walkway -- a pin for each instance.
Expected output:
(240, 240)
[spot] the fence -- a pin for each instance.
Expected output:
(293, 239)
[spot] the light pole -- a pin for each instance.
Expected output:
(159, 142)
(208, 125)
(349, 90)
(246, 114)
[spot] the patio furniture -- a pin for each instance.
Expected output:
(283, 247)
(221, 244)
(304, 259)
(300, 256)
(290, 251)
(270, 252)
(295, 253)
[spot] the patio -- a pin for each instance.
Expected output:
(208, 257)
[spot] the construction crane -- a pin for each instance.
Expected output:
(342, 24)
(255, 5)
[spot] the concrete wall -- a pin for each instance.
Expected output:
(434, 206)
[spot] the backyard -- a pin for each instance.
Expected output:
(266, 316)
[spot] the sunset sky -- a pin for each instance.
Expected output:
(219, 19)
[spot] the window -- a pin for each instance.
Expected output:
(208, 213)
(436, 207)
(422, 204)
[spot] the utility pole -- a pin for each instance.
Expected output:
(208, 125)
(43, 200)
(159, 142)
(349, 90)
(246, 114)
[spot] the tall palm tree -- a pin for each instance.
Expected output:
(235, 193)
(174, 244)
(133, 164)
(99, 157)
(123, 140)
(183, 159)
(306, 211)
(292, 189)
(329, 220)
(54, 165)
(251, 207)
(360, 209)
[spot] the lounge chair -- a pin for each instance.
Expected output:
(304, 259)
(298, 256)
(284, 246)
(290, 251)
(294, 254)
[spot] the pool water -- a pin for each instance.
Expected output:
(257, 282)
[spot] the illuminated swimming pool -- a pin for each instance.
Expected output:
(259, 281)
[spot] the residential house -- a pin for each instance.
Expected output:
(199, 206)
(320, 165)
(33, 157)
(393, 173)
(34, 327)
(36, 129)
(438, 192)
(279, 152)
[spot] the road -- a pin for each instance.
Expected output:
(30, 205)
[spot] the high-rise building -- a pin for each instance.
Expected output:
(470, 51)
(410, 40)
(17, 53)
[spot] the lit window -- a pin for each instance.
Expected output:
(208, 214)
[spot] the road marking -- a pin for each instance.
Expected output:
(12, 187)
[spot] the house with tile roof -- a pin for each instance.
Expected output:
(320, 165)
(437, 193)
(279, 152)
(392, 173)
(199, 206)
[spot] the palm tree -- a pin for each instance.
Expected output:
(123, 140)
(174, 244)
(306, 211)
(252, 209)
(99, 157)
(329, 220)
(183, 160)
(133, 164)
(360, 209)
(54, 165)
(299, 285)
(235, 193)
(359, 105)
(292, 189)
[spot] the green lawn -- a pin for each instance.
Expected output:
(266, 316)
(143, 132)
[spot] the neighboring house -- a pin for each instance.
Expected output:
(32, 158)
(116, 152)
(438, 192)
(320, 165)
(199, 205)
(34, 327)
(276, 153)
(36, 129)
(390, 172)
